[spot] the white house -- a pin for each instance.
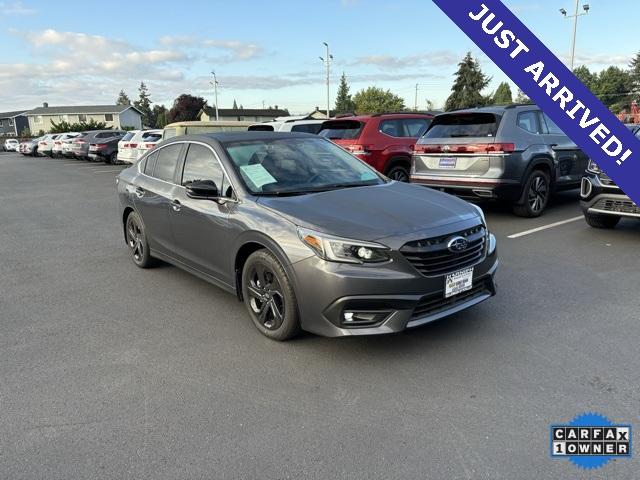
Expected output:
(115, 116)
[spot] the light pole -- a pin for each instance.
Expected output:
(575, 17)
(327, 62)
(215, 89)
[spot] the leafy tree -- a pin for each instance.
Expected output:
(344, 101)
(159, 116)
(503, 95)
(613, 87)
(185, 108)
(467, 88)
(25, 132)
(585, 75)
(144, 103)
(123, 99)
(376, 100)
(63, 126)
(522, 97)
(635, 73)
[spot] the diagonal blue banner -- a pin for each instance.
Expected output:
(552, 86)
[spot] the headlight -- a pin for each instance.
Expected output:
(481, 212)
(594, 168)
(335, 249)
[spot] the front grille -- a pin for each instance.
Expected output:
(431, 257)
(436, 303)
(617, 206)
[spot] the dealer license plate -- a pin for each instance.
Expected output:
(458, 282)
(448, 162)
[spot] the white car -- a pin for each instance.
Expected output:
(45, 145)
(130, 144)
(150, 140)
(11, 145)
(289, 124)
(59, 143)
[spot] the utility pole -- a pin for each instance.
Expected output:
(575, 17)
(415, 104)
(215, 89)
(327, 62)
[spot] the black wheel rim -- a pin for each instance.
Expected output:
(134, 239)
(399, 175)
(265, 297)
(538, 191)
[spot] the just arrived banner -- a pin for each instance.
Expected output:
(552, 86)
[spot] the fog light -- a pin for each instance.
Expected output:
(365, 253)
(364, 318)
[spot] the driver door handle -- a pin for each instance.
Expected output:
(176, 205)
(139, 192)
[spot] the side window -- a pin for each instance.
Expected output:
(553, 128)
(415, 127)
(108, 117)
(391, 128)
(201, 164)
(529, 121)
(151, 162)
(166, 162)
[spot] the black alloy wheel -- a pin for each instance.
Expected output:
(137, 241)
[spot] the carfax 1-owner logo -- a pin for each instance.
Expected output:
(591, 441)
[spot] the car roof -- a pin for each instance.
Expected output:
(499, 109)
(225, 137)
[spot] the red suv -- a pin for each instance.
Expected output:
(385, 141)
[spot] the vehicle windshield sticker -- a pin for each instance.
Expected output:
(367, 176)
(258, 175)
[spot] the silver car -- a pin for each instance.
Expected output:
(305, 234)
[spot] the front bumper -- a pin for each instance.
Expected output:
(602, 197)
(397, 296)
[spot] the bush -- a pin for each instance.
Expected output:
(64, 127)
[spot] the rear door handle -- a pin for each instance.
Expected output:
(139, 192)
(176, 205)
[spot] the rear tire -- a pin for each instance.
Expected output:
(269, 296)
(601, 221)
(399, 173)
(535, 197)
(136, 238)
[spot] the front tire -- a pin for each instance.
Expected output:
(269, 296)
(601, 221)
(137, 241)
(537, 191)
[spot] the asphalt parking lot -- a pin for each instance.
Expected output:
(109, 371)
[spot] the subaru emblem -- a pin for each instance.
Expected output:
(457, 244)
(446, 148)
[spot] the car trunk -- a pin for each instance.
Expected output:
(460, 144)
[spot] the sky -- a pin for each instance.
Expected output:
(267, 52)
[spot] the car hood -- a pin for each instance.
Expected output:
(372, 212)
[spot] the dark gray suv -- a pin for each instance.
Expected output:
(513, 153)
(307, 235)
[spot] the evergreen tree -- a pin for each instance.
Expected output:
(467, 88)
(589, 79)
(123, 99)
(635, 73)
(503, 95)
(144, 104)
(613, 87)
(235, 105)
(344, 102)
(158, 116)
(522, 97)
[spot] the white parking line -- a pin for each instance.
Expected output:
(545, 227)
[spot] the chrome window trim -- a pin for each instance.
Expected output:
(156, 150)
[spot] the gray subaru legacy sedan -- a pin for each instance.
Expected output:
(305, 234)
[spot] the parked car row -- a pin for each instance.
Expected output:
(95, 145)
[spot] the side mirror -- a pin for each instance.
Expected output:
(203, 190)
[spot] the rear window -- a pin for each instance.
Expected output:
(128, 136)
(153, 137)
(460, 125)
(261, 128)
(341, 130)
(307, 128)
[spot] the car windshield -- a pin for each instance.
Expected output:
(292, 166)
(460, 125)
